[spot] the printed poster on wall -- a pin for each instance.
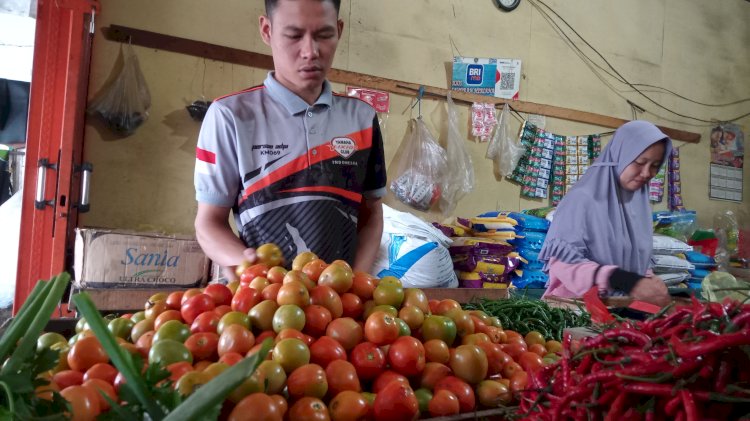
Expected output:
(727, 156)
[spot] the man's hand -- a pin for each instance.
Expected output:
(232, 273)
(651, 290)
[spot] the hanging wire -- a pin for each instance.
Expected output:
(418, 103)
(617, 75)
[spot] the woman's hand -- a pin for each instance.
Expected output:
(652, 290)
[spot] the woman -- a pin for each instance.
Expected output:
(602, 230)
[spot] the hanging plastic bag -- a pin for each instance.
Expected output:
(503, 149)
(123, 105)
(420, 166)
(459, 179)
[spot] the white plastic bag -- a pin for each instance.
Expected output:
(503, 149)
(414, 251)
(123, 106)
(459, 180)
(420, 168)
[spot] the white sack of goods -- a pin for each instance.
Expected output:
(414, 251)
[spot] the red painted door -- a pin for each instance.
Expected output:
(52, 193)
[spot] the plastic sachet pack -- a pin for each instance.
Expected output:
(123, 105)
(420, 167)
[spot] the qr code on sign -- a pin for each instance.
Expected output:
(507, 80)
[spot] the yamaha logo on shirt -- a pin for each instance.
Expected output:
(344, 146)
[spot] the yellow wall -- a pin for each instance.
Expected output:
(696, 48)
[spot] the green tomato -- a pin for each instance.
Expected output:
(403, 328)
(233, 318)
(390, 280)
(138, 316)
(121, 327)
(81, 325)
(424, 396)
(388, 309)
(389, 294)
(288, 316)
(172, 329)
(439, 327)
(168, 351)
(48, 339)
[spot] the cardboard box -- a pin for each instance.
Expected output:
(107, 258)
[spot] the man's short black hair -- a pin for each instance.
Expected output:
(271, 5)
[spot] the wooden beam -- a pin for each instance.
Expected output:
(264, 61)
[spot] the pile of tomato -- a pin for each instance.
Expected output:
(348, 346)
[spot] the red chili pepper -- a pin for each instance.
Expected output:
(687, 367)
(691, 411)
(565, 363)
(615, 410)
(585, 364)
(600, 376)
(711, 345)
(628, 335)
(655, 389)
(607, 397)
(741, 319)
(680, 416)
(722, 377)
(672, 406)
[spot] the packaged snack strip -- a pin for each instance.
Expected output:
(472, 241)
(675, 186)
(472, 283)
(494, 285)
(480, 249)
(656, 185)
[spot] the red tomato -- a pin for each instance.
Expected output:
(368, 360)
(518, 381)
(67, 378)
(85, 353)
(325, 350)
(381, 328)
(461, 389)
(432, 374)
(245, 299)
(396, 402)
(342, 376)
(326, 296)
(433, 305)
(276, 274)
(252, 272)
(314, 268)
(220, 293)
(349, 406)
(256, 406)
(167, 316)
(174, 300)
(514, 349)
(469, 362)
(530, 361)
(496, 358)
(353, 305)
(101, 371)
(436, 350)
(84, 402)
(178, 369)
(231, 358)
(291, 333)
(363, 285)
(307, 380)
(203, 345)
(192, 292)
(387, 377)
(510, 369)
(538, 349)
(195, 306)
(271, 292)
(205, 322)
(406, 355)
(222, 310)
(263, 335)
(443, 404)
(345, 330)
(99, 386)
(317, 319)
(235, 338)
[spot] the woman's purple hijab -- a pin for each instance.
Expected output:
(598, 220)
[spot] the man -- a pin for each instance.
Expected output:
(297, 165)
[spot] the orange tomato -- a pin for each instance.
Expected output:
(85, 353)
(101, 371)
(256, 406)
(83, 401)
(101, 388)
(348, 405)
(307, 380)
